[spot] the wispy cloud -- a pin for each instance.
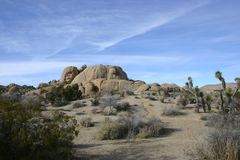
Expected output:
(34, 67)
(94, 26)
(30, 67)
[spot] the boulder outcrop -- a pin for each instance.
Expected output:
(69, 74)
(103, 79)
(100, 72)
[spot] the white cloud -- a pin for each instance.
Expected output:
(92, 26)
(28, 68)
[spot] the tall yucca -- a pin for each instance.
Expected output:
(219, 76)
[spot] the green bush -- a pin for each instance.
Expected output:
(26, 135)
(59, 96)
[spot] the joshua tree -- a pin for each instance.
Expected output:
(228, 92)
(190, 83)
(218, 75)
(194, 91)
(203, 101)
(231, 99)
(209, 101)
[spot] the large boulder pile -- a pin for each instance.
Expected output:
(103, 79)
(99, 80)
(100, 72)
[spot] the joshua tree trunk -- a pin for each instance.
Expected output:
(231, 100)
(203, 104)
(197, 103)
(222, 101)
(209, 107)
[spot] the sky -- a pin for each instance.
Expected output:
(156, 41)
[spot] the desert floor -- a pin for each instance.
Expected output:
(183, 132)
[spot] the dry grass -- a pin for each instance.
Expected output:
(130, 126)
(223, 143)
(171, 111)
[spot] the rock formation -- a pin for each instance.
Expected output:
(101, 80)
(100, 72)
(69, 74)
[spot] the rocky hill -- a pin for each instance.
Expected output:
(212, 87)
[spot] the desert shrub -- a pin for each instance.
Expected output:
(223, 142)
(86, 122)
(2, 89)
(219, 145)
(110, 130)
(122, 106)
(153, 127)
(225, 121)
(31, 101)
(181, 101)
(109, 111)
(71, 93)
(171, 111)
(78, 105)
(109, 100)
(94, 102)
(26, 135)
(83, 67)
(131, 126)
(59, 96)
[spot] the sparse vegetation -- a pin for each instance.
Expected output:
(78, 105)
(110, 130)
(122, 106)
(130, 126)
(94, 102)
(223, 142)
(153, 127)
(171, 111)
(181, 101)
(86, 122)
(109, 111)
(31, 101)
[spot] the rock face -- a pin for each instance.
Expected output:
(170, 87)
(69, 74)
(100, 72)
(103, 79)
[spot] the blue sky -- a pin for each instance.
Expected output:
(152, 40)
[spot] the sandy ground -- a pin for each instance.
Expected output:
(184, 132)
